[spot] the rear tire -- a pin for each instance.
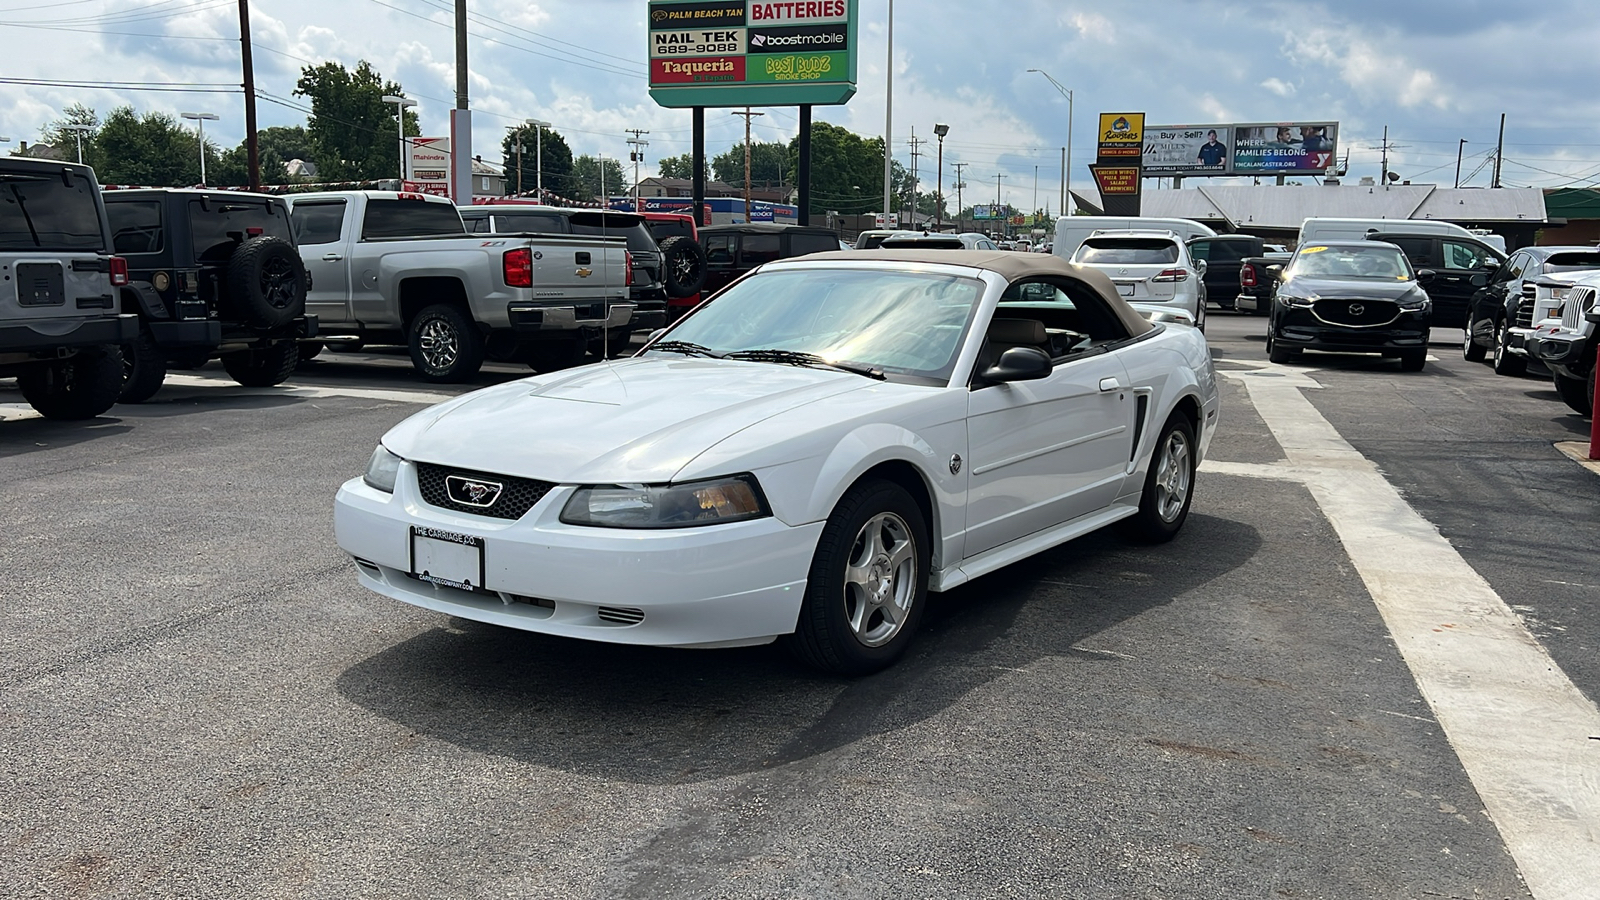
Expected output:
(683, 266)
(445, 344)
(1168, 486)
(79, 387)
(144, 368)
(1471, 350)
(1577, 394)
(266, 283)
(263, 367)
(868, 582)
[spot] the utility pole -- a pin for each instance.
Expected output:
(461, 118)
(538, 154)
(938, 203)
(637, 153)
(1035, 190)
(1459, 147)
(997, 207)
(748, 115)
(916, 153)
(1384, 176)
(959, 185)
(1063, 181)
(252, 144)
(1499, 150)
(888, 120)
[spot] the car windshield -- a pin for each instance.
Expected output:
(674, 227)
(904, 323)
(1127, 252)
(1572, 262)
(1379, 263)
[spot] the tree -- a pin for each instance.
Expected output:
(682, 166)
(585, 182)
(64, 142)
(153, 149)
(847, 171)
(557, 158)
(351, 131)
(769, 161)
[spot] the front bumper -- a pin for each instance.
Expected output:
(717, 586)
(50, 334)
(1568, 355)
(1299, 327)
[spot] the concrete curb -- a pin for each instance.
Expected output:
(1578, 451)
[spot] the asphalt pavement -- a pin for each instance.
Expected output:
(196, 699)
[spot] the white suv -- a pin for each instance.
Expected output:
(1152, 270)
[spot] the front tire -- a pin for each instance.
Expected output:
(868, 582)
(1577, 394)
(1506, 362)
(144, 368)
(445, 345)
(79, 387)
(1168, 487)
(263, 367)
(1277, 352)
(1413, 360)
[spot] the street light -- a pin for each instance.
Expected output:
(1066, 164)
(938, 207)
(538, 152)
(201, 119)
(79, 130)
(400, 116)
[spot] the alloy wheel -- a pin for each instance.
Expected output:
(1172, 476)
(880, 579)
(439, 344)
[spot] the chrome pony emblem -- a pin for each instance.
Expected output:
(472, 491)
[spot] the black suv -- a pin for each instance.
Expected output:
(733, 250)
(213, 274)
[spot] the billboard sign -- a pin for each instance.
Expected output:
(1187, 149)
(723, 53)
(1307, 148)
(1121, 134)
(1277, 149)
(429, 165)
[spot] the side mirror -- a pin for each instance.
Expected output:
(1200, 266)
(1425, 276)
(1479, 280)
(1019, 364)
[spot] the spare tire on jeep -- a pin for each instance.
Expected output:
(683, 266)
(266, 283)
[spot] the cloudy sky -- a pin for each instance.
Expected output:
(1433, 71)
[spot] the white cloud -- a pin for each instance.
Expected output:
(1372, 65)
(1279, 86)
(1093, 26)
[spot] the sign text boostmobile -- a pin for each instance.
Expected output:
(752, 52)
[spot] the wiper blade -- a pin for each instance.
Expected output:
(801, 358)
(687, 348)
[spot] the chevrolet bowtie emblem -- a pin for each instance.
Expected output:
(585, 273)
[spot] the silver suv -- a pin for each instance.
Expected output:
(60, 325)
(1152, 270)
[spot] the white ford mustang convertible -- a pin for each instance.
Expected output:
(803, 458)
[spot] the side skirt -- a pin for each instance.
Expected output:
(1024, 547)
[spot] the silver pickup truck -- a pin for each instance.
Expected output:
(61, 329)
(400, 268)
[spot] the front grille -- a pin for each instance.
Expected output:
(1524, 317)
(1580, 301)
(1356, 313)
(517, 495)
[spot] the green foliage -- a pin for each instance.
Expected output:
(64, 142)
(682, 166)
(585, 182)
(847, 172)
(352, 132)
(154, 149)
(557, 159)
(768, 164)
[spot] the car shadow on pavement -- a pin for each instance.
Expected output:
(658, 716)
(31, 435)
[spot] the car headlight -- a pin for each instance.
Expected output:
(382, 470)
(1414, 301)
(1292, 300)
(685, 505)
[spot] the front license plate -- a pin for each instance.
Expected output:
(447, 558)
(1125, 290)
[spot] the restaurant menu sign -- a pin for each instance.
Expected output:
(751, 52)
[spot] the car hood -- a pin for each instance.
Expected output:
(634, 420)
(1348, 288)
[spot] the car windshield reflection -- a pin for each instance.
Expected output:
(908, 324)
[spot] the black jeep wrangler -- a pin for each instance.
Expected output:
(213, 275)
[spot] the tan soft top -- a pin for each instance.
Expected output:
(1008, 264)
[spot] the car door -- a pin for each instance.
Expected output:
(320, 228)
(1048, 451)
(1452, 288)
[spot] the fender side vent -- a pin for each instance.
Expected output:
(620, 615)
(1142, 411)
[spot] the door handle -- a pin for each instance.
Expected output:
(331, 257)
(1110, 384)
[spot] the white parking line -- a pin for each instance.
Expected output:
(1525, 735)
(168, 391)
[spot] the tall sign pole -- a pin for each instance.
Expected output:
(888, 119)
(251, 142)
(461, 118)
